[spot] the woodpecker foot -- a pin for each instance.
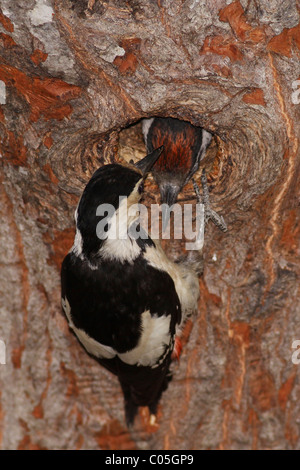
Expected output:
(177, 349)
(209, 212)
(197, 191)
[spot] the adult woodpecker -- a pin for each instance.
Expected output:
(123, 298)
(184, 147)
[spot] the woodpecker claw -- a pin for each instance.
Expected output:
(198, 194)
(217, 219)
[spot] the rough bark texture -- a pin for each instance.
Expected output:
(73, 75)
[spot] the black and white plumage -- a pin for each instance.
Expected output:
(123, 298)
(184, 147)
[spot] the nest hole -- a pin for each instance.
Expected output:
(131, 147)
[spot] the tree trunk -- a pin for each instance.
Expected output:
(74, 75)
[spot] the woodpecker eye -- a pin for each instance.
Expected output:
(141, 188)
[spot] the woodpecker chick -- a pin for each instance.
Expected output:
(123, 298)
(184, 147)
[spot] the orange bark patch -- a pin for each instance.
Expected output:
(16, 356)
(255, 97)
(223, 46)
(72, 389)
(27, 444)
(262, 389)
(291, 232)
(240, 332)
(235, 16)
(2, 117)
(7, 41)
(226, 405)
(283, 42)
(286, 154)
(208, 296)
(222, 71)
(253, 421)
(47, 169)
(60, 244)
(38, 56)
(79, 442)
(128, 62)
(291, 430)
(285, 390)
(5, 21)
(186, 332)
(114, 437)
(38, 411)
(48, 141)
(46, 97)
(13, 149)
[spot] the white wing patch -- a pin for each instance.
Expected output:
(185, 280)
(155, 340)
(155, 337)
(78, 241)
(77, 246)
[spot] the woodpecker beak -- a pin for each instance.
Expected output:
(147, 162)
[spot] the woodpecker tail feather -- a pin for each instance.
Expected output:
(145, 390)
(130, 408)
(153, 406)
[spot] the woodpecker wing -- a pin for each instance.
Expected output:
(125, 315)
(129, 310)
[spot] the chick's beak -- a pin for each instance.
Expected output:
(169, 194)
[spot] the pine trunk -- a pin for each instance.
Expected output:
(73, 76)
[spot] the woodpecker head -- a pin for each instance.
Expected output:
(184, 146)
(109, 186)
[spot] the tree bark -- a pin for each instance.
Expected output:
(74, 75)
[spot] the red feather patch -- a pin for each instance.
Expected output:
(177, 349)
(178, 148)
